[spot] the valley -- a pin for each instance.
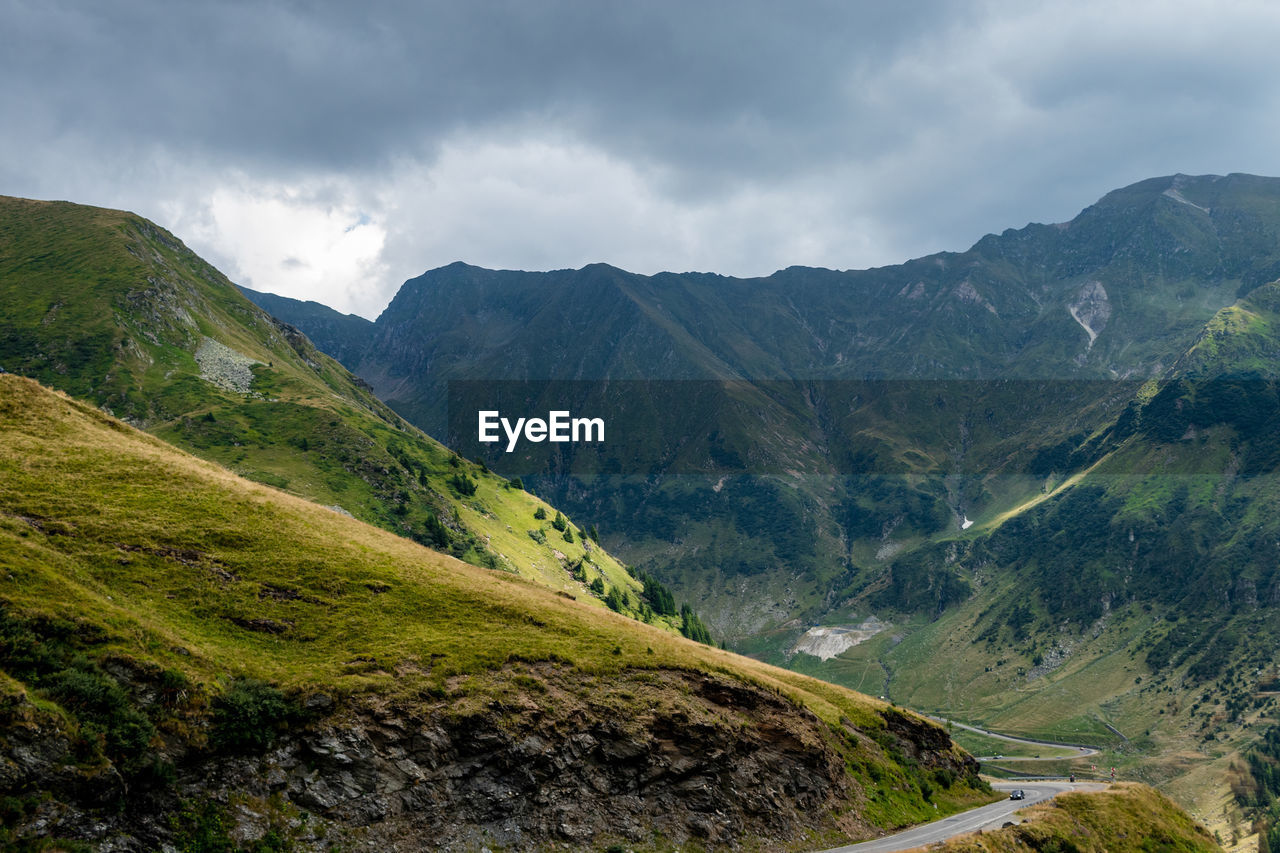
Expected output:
(1026, 488)
(1096, 397)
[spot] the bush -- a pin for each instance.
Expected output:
(463, 485)
(248, 715)
(201, 828)
(103, 708)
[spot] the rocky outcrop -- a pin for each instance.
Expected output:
(565, 759)
(1091, 309)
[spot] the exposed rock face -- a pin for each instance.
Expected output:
(1091, 309)
(568, 759)
(827, 642)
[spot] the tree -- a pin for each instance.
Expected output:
(540, 514)
(615, 600)
(658, 596)
(691, 626)
(463, 485)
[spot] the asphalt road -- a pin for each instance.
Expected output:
(1081, 751)
(990, 816)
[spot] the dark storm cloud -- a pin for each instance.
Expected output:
(368, 142)
(346, 85)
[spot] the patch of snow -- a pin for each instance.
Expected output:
(826, 642)
(966, 524)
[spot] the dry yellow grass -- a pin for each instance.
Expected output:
(175, 556)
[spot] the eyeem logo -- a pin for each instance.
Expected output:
(558, 427)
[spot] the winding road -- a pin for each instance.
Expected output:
(990, 816)
(1080, 751)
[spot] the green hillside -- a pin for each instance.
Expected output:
(112, 309)
(1128, 818)
(1036, 339)
(1097, 398)
(1134, 608)
(190, 658)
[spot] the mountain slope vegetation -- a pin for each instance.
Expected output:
(186, 654)
(1036, 340)
(1041, 470)
(110, 308)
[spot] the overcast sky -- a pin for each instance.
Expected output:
(329, 151)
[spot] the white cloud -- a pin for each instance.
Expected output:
(553, 203)
(306, 242)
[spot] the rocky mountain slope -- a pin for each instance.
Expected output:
(190, 659)
(1083, 311)
(1043, 465)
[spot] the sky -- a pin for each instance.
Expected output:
(330, 151)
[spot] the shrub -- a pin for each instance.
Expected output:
(103, 708)
(248, 714)
(463, 485)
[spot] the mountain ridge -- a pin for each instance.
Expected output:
(251, 398)
(1159, 292)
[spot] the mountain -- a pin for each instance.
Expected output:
(192, 660)
(1026, 485)
(112, 309)
(195, 660)
(1035, 339)
(343, 336)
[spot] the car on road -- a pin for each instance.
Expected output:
(1017, 794)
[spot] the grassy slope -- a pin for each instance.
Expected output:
(182, 565)
(1183, 723)
(106, 306)
(1124, 818)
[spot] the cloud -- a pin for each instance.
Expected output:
(734, 137)
(554, 203)
(302, 242)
